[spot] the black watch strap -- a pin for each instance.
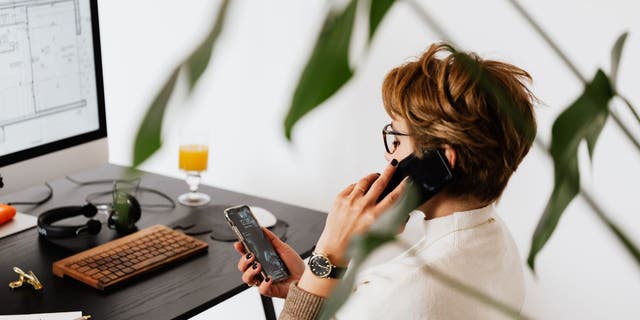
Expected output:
(337, 272)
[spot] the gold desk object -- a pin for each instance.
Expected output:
(29, 278)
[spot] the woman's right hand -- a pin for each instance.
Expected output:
(251, 269)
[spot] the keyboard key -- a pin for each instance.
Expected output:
(149, 262)
(91, 272)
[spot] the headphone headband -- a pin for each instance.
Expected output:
(47, 218)
(123, 221)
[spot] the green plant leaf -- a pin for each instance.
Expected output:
(377, 11)
(197, 62)
(148, 139)
(616, 54)
(584, 119)
(327, 70)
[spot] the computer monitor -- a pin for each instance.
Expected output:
(52, 114)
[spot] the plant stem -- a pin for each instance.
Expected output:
(625, 130)
(614, 228)
(548, 40)
(427, 19)
(629, 106)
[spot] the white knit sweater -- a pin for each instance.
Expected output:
(474, 247)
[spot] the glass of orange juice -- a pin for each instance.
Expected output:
(193, 158)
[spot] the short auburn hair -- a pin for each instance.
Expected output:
(481, 108)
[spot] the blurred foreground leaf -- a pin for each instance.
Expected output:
(328, 67)
(377, 11)
(583, 120)
(148, 139)
(198, 61)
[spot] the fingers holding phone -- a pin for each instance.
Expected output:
(239, 247)
(354, 210)
(252, 274)
(263, 255)
(245, 261)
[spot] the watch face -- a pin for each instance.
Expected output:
(320, 266)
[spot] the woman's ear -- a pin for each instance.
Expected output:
(451, 155)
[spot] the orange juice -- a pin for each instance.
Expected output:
(193, 157)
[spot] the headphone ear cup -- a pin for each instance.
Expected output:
(89, 210)
(135, 211)
(93, 226)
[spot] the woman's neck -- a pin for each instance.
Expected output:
(442, 205)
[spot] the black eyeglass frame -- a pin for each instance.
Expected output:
(388, 130)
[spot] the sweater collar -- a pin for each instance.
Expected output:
(438, 227)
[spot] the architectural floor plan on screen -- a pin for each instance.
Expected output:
(47, 79)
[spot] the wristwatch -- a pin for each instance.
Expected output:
(322, 267)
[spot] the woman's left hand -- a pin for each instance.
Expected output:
(353, 212)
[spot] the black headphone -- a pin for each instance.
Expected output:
(122, 217)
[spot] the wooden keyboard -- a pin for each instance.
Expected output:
(124, 258)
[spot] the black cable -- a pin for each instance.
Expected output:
(92, 182)
(35, 203)
(93, 196)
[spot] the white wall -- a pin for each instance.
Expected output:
(582, 273)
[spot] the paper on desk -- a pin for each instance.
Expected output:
(19, 223)
(45, 316)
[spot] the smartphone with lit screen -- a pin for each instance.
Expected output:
(249, 233)
(429, 173)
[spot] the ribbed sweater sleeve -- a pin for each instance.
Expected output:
(301, 305)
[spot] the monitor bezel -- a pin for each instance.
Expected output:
(100, 133)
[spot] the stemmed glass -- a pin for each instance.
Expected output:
(193, 158)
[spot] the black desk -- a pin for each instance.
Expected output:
(179, 291)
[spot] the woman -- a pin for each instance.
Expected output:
(480, 114)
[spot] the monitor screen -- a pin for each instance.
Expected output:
(51, 94)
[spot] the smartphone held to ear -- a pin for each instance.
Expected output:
(249, 233)
(429, 174)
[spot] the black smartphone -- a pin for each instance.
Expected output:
(249, 233)
(429, 174)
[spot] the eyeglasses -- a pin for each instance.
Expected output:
(391, 142)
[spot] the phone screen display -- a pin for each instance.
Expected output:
(256, 242)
